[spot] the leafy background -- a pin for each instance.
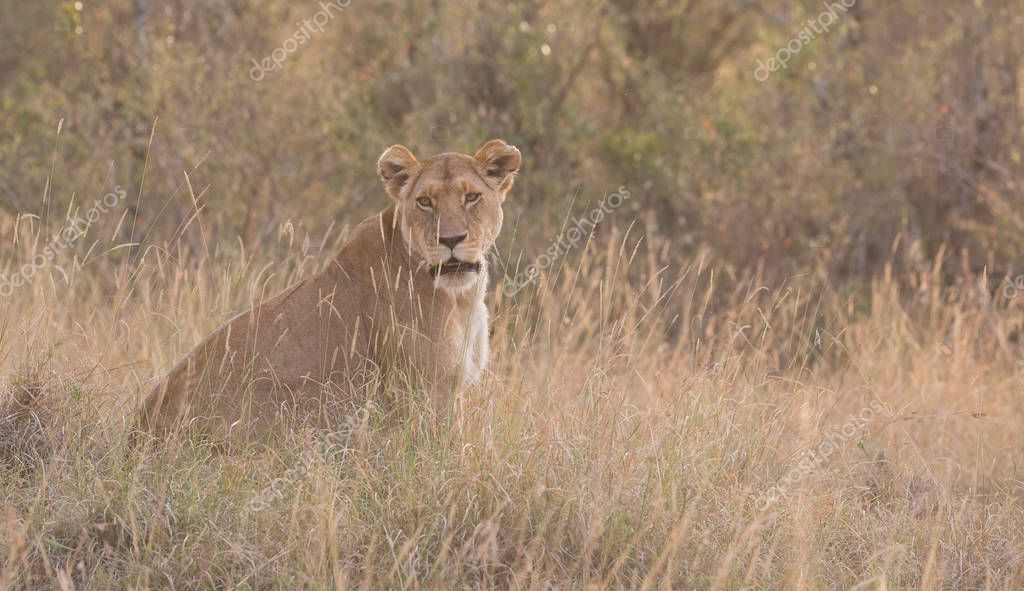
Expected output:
(826, 260)
(889, 139)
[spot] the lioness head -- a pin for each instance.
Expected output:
(449, 206)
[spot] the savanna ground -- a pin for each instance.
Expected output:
(791, 359)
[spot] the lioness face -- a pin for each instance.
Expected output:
(449, 207)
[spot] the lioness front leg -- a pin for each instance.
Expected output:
(443, 392)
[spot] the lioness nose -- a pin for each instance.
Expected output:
(451, 241)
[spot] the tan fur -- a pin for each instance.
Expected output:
(375, 308)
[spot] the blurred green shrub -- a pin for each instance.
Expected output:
(894, 136)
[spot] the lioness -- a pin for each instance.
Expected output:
(405, 292)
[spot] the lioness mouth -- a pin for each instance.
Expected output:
(454, 266)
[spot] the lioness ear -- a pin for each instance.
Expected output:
(501, 161)
(394, 167)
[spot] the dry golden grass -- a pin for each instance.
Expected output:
(639, 427)
(665, 409)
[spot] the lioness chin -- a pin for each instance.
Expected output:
(405, 293)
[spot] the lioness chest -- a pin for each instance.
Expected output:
(472, 345)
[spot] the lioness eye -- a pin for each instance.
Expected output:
(472, 197)
(425, 202)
